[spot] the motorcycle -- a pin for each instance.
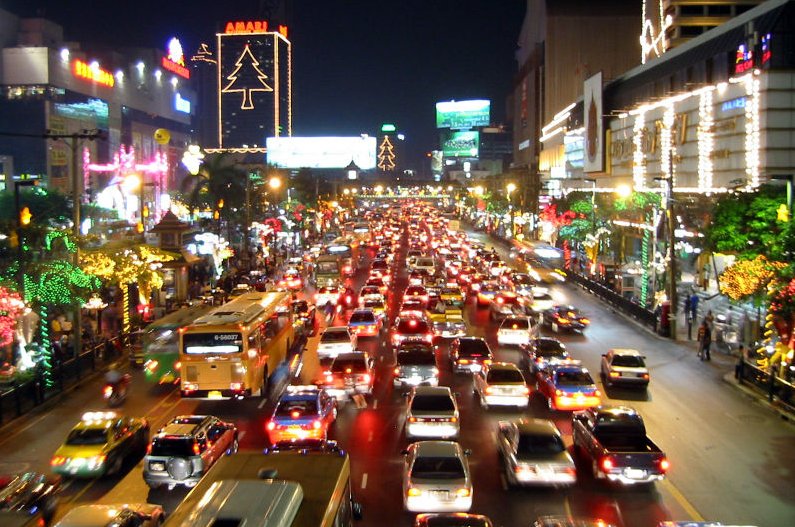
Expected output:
(116, 393)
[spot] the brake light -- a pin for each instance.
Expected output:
(563, 320)
(397, 371)
(316, 424)
(585, 321)
(454, 419)
(348, 370)
(57, 461)
(270, 425)
(664, 464)
(412, 323)
(500, 300)
(606, 464)
(558, 393)
(348, 299)
(295, 414)
(196, 449)
(149, 448)
(177, 365)
(646, 376)
(414, 492)
(429, 337)
(463, 361)
(366, 377)
(412, 419)
(489, 390)
(107, 391)
(329, 378)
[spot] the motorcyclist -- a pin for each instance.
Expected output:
(328, 310)
(117, 380)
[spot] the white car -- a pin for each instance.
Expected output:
(516, 331)
(138, 514)
(432, 412)
(532, 452)
(325, 294)
(335, 340)
(541, 302)
(501, 384)
(625, 367)
(436, 478)
(424, 263)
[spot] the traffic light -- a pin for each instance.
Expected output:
(146, 211)
(139, 227)
(25, 216)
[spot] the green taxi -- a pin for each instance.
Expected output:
(100, 444)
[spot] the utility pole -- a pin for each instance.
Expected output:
(672, 296)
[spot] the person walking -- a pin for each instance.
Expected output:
(693, 306)
(704, 340)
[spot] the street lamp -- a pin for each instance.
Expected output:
(275, 183)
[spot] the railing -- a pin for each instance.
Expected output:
(19, 397)
(779, 392)
(636, 311)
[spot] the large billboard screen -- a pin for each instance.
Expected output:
(321, 152)
(461, 144)
(462, 114)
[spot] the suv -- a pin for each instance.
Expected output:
(184, 450)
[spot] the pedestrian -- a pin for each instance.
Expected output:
(710, 319)
(738, 368)
(328, 309)
(688, 310)
(693, 305)
(704, 340)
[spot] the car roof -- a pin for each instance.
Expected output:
(503, 366)
(537, 427)
(437, 448)
(433, 390)
(626, 351)
(332, 329)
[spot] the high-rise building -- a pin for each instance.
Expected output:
(690, 18)
(249, 76)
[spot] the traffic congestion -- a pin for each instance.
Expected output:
(452, 373)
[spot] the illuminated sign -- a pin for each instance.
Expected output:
(733, 104)
(250, 27)
(388, 128)
(322, 152)
(461, 144)
(180, 104)
(462, 114)
(743, 59)
(766, 48)
(175, 60)
(93, 73)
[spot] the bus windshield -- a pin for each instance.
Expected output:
(328, 267)
(212, 343)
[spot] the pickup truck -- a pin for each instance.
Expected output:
(614, 439)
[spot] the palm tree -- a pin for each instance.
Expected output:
(218, 179)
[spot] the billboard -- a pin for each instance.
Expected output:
(594, 133)
(321, 152)
(462, 114)
(461, 144)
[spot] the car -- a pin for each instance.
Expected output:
(565, 318)
(186, 448)
(291, 280)
(415, 365)
(304, 315)
(326, 294)
(486, 293)
(370, 292)
(541, 302)
(349, 374)
(568, 386)
(505, 304)
(100, 444)
(432, 412)
(546, 350)
(544, 272)
(416, 292)
(497, 268)
(364, 323)
(501, 384)
(33, 495)
(115, 515)
(523, 284)
(376, 304)
(412, 329)
(302, 413)
(571, 521)
(335, 340)
(379, 282)
(418, 276)
(625, 367)
(436, 478)
(452, 519)
(516, 331)
(412, 307)
(532, 452)
(380, 265)
(469, 354)
(424, 263)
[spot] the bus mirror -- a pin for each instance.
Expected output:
(356, 509)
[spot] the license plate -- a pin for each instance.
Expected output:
(215, 394)
(635, 473)
(157, 466)
(440, 494)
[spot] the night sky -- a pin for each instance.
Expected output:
(357, 63)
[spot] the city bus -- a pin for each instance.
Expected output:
(231, 351)
(161, 344)
(288, 489)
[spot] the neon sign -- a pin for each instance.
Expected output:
(743, 59)
(766, 48)
(251, 26)
(93, 73)
(175, 60)
(180, 104)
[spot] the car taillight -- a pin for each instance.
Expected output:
(453, 419)
(196, 449)
(463, 493)
(329, 378)
(177, 365)
(562, 320)
(412, 419)
(57, 461)
(428, 337)
(463, 361)
(526, 390)
(366, 378)
(489, 390)
(397, 371)
(149, 448)
(500, 300)
(558, 393)
(585, 321)
(270, 425)
(664, 464)
(348, 299)
(606, 464)
(646, 376)
(414, 492)
(316, 424)
(107, 391)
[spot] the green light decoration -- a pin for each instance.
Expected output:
(60, 235)
(644, 262)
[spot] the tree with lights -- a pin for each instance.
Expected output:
(386, 155)
(247, 78)
(749, 279)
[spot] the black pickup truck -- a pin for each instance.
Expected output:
(613, 439)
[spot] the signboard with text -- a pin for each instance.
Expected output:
(462, 114)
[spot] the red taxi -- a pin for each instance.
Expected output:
(303, 412)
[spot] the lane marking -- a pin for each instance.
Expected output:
(241, 435)
(370, 437)
(681, 500)
(262, 403)
(364, 481)
(83, 490)
(32, 423)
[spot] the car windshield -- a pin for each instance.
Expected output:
(628, 361)
(297, 409)
(474, 348)
(574, 378)
(335, 336)
(416, 358)
(515, 323)
(504, 376)
(531, 444)
(374, 304)
(432, 403)
(549, 348)
(352, 365)
(172, 447)
(87, 436)
(412, 325)
(437, 468)
(362, 316)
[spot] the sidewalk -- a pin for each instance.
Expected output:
(723, 356)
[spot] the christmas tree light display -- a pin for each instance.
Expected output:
(386, 155)
(246, 70)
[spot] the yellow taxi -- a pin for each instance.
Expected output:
(100, 444)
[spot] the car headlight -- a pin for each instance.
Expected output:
(95, 461)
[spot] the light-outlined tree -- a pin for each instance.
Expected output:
(244, 78)
(386, 156)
